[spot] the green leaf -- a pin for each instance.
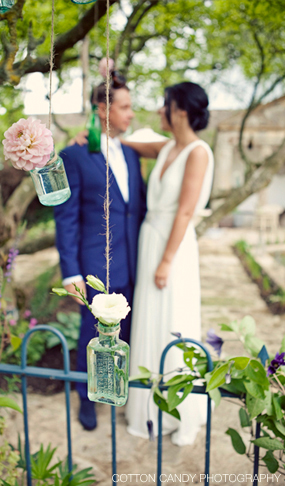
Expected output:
(188, 358)
(271, 462)
(253, 344)
(254, 405)
(218, 377)
(234, 325)
(247, 326)
(163, 405)
(215, 396)
(277, 407)
(268, 443)
(254, 389)
(244, 418)
(256, 372)
(52, 341)
(9, 403)
(158, 392)
(280, 427)
(201, 366)
(237, 441)
(145, 374)
(173, 399)
(175, 380)
(241, 362)
(16, 342)
(225, 327)
(268, 402)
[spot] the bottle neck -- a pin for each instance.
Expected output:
(109, 335)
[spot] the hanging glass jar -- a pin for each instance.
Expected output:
(6, 5)
(94, 129)
(83, 1)
(108, 367)
(51, 182)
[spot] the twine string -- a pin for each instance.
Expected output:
(51, 62)
(110, 333)
(107, 195)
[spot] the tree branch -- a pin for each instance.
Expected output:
(252, 104)
(259, 179)
(16, 207)
(62, 43)
(132, 24)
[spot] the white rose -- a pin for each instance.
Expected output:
(110, 309)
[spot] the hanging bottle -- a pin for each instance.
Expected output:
(94, 128)
(51, 182)
(83, 1)
(108, 367)
(6, 5)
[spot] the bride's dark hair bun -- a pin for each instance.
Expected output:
(191, 98)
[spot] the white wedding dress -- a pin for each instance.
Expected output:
(176, 308)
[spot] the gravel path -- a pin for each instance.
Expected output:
(227, 294)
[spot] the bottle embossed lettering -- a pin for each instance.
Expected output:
(108, 367)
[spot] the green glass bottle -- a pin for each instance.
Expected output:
(108, 367)
(94, 128)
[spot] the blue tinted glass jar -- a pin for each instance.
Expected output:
(83, 1)
(108, 367)
(6, 5)
(51, 183)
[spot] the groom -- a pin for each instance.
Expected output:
(80, 223)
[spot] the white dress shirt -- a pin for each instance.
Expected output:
(119, 168)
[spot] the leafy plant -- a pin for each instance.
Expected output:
(260, 387)
(255, 378)
(69, 326)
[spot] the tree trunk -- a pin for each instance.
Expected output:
(259, 179)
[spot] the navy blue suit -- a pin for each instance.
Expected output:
(80, 228)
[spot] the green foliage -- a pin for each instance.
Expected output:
(69, 326)
(237, 441)
(254, 378)
(45, 471)
(42, 304)
(9, 403)
(272, 292)
(262, 393)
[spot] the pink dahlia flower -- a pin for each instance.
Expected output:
(103, 66)
(28, 144)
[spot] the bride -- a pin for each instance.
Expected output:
(167, 292)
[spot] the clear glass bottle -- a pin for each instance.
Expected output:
(94, 128)
(108, 367)
(51, 182)
(6, 5)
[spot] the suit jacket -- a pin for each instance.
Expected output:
(80, 223)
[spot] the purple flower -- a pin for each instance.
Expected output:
(12, 322)
(149, 424)
(10, 261)
(228, 378)
(27, 313)
(176, 334)
(215, 341)
(276, 363)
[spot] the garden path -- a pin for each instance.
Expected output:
(227, 294)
